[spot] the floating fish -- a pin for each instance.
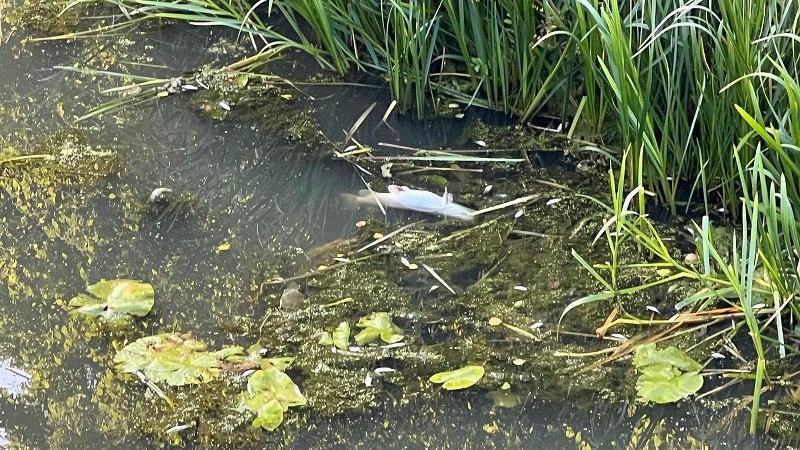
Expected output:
(402, 197)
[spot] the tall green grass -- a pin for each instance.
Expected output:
(504, 54)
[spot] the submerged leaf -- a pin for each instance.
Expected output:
(270, 393)
(173, 358)
(377, 325)
(115, 299)
(666, 375)
(460, 378)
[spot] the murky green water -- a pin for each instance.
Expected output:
(250, 201)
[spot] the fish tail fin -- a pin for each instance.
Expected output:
(349, 200)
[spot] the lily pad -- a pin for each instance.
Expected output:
(460, 378)
(666, 375)
(254, 357)
(270, 393)
(115, 299)
(341, 336)
(173, 358)
(378, 325)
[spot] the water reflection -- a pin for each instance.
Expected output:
(13, 380)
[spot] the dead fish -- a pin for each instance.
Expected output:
(402, 197)
(292, 297)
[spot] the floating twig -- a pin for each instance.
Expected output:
(516, 201)
(438, 278)
(383, 238)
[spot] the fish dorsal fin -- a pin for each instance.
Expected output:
(393, 188)
(447, 198)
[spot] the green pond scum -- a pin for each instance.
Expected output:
(207, 358)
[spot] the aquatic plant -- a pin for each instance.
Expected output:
(378, 325)
(270, 393)
(458, 379)
(115, 299)
(666, 375)
(341, 336)
(173, 358)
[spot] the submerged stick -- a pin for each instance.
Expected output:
(316, 272)
(383, 238)
(517, 201)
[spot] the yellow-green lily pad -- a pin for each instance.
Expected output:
(270, 393)
(460, 378)
(115, 299)
(341, 336)
(173, 358)
(667, 375)
(378, 325)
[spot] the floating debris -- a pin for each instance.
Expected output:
(552, 201)
(653, 309)
(225, 105)
(487, 189)
(520, 288)
(160, 195)
(361, 224)
(690, 259)
(178, 428)
(292, 297)
(619, 337)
